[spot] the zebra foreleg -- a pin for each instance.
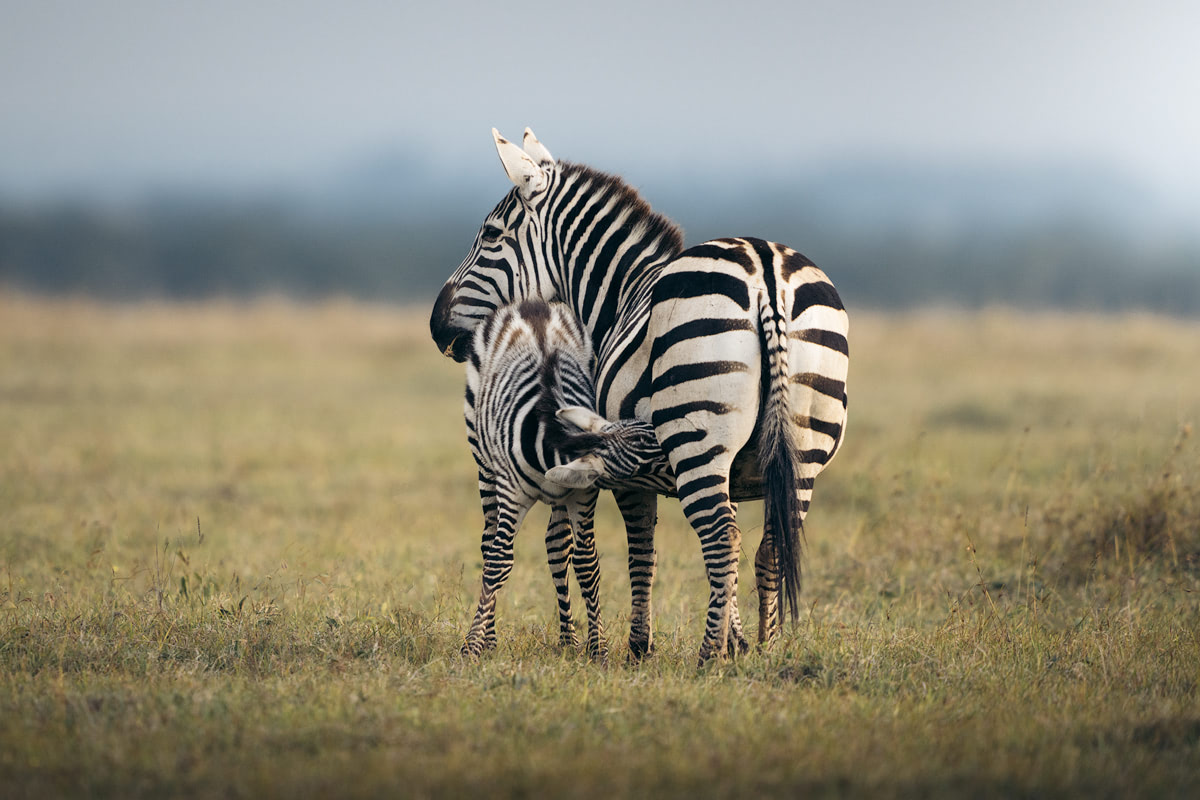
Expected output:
(497, 566)
(587, 570)
(559, 550)
(640, 512)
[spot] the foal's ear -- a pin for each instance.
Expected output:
(536, 150)
(578, 474)
(522, 170)
(583, 418)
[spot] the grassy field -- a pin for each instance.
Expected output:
(239, 549)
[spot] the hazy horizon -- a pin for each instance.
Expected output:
(131, 93)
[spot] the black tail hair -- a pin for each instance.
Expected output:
(777, 454)
(782, 514)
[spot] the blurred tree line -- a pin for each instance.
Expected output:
(212, 252)
(401, 247)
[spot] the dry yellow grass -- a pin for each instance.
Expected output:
(239, 548)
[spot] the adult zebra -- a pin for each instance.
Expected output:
(734, 350)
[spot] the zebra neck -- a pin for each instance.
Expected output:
(609, 247)
(600, 292)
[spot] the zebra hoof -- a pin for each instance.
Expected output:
(710, 653)
(640, 648)
(473, 649)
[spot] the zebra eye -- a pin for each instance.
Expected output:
(491, 233)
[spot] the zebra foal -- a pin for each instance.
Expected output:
(527, 407)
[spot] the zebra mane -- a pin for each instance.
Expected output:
(656, 226)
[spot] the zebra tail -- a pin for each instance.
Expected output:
(778, 454)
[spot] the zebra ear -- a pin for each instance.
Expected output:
(525, 174)
(583, 418)
(536, 150)
(578, 474)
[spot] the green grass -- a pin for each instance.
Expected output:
(239, 547)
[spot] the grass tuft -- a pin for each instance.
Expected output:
(1157, 520)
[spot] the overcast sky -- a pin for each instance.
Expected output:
(140, 90)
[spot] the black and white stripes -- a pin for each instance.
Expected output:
(735, 351)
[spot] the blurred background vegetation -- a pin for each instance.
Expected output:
(891, 235)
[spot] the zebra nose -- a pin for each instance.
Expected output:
(439, 320)
(451, 340)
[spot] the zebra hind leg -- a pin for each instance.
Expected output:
(766, 573)
(640, 512)
(737, 644)
(712, 517)
(559, 551)
(737, 639)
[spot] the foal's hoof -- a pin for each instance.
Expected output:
(471, 650)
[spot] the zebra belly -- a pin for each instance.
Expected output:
(745, 481)
(659, 484)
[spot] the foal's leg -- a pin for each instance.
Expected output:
(487, 500)
(587, 567)
(511, 508)
(559, 550)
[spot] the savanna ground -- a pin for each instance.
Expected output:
(239, 547)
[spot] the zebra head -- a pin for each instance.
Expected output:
(506, 261)
(615, 451)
